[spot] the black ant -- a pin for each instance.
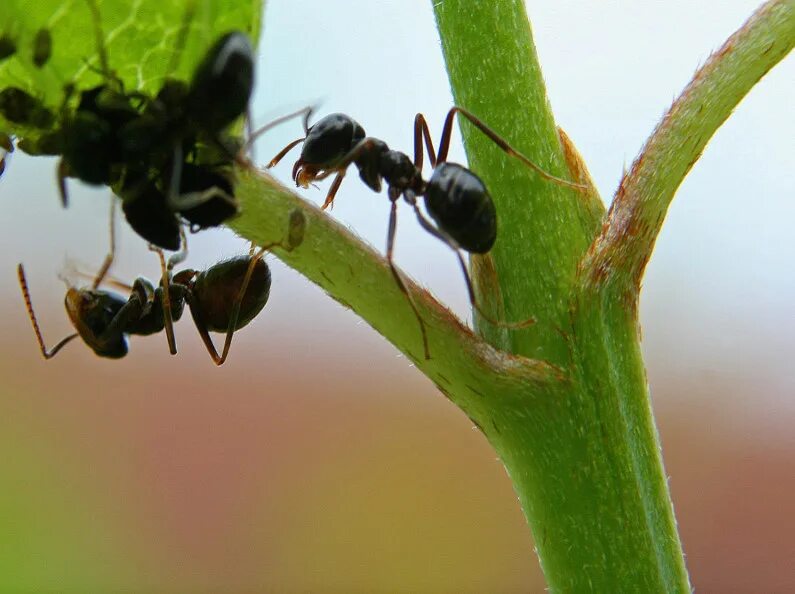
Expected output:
(223, 298)
(456, 199)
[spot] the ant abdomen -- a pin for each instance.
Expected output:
(458, 201)
(216, 289)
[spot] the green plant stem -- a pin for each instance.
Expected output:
(585, 462)
(621, 252)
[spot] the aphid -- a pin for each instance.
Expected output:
(20, 107)
(8, 46)
(42, 47)
(456, 199)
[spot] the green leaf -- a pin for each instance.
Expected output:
(140, 37)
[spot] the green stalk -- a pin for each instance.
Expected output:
(585, 462)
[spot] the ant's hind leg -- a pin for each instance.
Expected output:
(447, 130)
(390, 245)
(47, 354)
(422, 132)
(439, 234)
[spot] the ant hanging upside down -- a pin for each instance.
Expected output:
(456, 199)
(223, 298)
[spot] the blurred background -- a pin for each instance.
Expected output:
(318, 459)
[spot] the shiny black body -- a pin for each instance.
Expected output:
(166, 152)
(103, 319)
(459, 203)
(455, 197)
(212, 291)
(222, 83)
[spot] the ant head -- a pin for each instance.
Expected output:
(91, 313)
(330, 139)
(304, 174)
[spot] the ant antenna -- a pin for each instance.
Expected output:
(304, 111)
(47, 354)
(182, 254)
(100, 39)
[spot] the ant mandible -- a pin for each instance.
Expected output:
(456, 199)
(223, 298)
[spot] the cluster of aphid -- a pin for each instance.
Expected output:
(170, 158)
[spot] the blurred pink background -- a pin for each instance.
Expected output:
(318, 459)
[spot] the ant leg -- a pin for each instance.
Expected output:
(47, 354)
(447, 130)
(169, 322)
(253, 136)
(284, 151)
(182, 254)
(390, 245)
(103, 271)
(439, 234)
(333, 190)
(180, 202)
(421, 131)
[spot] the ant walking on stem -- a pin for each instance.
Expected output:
(456, 199)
